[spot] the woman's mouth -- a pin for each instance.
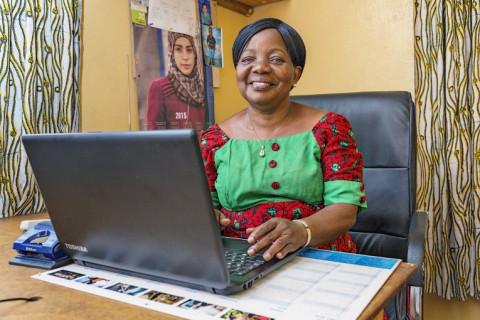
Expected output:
(260, 85)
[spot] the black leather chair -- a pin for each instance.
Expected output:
(385, 130)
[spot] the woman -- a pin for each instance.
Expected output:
(178, 100)
(282, 174)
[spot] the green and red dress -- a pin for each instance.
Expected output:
(299, 175)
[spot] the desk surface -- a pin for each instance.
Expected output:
(63, 303)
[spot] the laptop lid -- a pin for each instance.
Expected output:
(132, 202)
(137, 203)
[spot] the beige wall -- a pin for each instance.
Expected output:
(352, 45)
(106, 73)
(437, 308)
(227, 98)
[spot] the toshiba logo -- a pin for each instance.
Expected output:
(75, 247)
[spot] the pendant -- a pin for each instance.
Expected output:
(262, 152)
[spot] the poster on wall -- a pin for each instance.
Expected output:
(211, 40)
(205, 12)
(138, 10)
(174, 87)
(212, 46)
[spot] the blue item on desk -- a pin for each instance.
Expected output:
(38, 247)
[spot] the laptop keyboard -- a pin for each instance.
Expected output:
(240, 263)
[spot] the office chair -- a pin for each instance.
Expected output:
(385, 131)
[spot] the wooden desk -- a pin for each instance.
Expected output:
(63, 303)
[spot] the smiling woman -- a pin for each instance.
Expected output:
(178, 100)
(282, 174)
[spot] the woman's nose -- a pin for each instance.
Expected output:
(261, 66)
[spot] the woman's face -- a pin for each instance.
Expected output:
(184, 55)
(265, 73)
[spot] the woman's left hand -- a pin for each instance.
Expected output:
(282, 235)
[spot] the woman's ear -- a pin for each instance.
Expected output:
(297, 73)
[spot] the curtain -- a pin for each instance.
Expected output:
(39, 88)
(447, 59)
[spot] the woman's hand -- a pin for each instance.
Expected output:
(221, 219)
(282, 235)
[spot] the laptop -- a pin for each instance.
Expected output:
(138, 203)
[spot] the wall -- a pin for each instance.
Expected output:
(352, 45)
(106, 67)
(108, 90)
(227, 98)
(437, 308)
(370, 48)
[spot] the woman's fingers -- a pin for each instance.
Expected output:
(285, 250)
(280, 236)
(221, 219)
(224, 222)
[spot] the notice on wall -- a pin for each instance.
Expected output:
(173, 15)
(139, 10)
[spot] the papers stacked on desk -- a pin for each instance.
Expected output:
(316, 285)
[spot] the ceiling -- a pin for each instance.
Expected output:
(245, 7)
(256, 3)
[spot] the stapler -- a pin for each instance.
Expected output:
(38, 247)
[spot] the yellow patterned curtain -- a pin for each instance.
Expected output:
(447, 56)
(39, 88)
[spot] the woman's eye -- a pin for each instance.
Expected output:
(247, 60)
(277, 60)
(189, 50)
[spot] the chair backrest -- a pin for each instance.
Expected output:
(384, 127)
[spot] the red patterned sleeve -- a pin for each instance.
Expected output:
(340, 157)
(210, 141)
(342, 163)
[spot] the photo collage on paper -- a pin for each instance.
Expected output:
(154, 296)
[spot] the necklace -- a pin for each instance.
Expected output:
(262, 146)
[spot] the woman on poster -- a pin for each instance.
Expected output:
(178, 99)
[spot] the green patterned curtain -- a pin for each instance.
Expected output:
(447, 56)
(39, 88)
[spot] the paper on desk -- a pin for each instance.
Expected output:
(331, 286)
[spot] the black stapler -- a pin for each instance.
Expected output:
(38, 247)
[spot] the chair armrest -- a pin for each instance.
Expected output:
(416, 246)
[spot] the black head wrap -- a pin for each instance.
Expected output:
(293, 41)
